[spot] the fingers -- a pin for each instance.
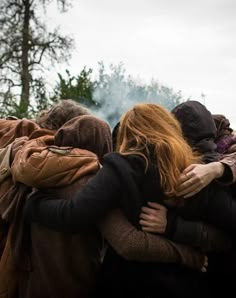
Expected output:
(153, 227)
(194, 178)
(156, 206)
(185, 181)
(189, 169)
(148, 217)
(205, 264)
(187, 173)
(148, 227)
(188, 192)
(153, 209)
(153, 218)
(187, 188)
(188, 185)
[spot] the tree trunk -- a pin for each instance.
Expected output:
(25, 75)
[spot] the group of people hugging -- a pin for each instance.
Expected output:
(146, 209)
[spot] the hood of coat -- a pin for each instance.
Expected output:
(10, 129)
(86, 132)
(198, 126)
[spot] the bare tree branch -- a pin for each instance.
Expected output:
(27, 46)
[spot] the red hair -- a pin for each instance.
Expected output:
(153, 132)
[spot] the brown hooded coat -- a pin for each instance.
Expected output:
(63, 265)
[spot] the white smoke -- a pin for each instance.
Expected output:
(115, 93)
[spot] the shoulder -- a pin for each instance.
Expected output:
(127, 168)
(133, 161)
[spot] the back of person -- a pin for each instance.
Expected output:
(11, 129)
(64, 264)
(11, 199)
(212, 135)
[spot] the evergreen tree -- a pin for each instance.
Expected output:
(79, 88)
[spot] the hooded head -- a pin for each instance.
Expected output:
(198, 127)
(86, 132)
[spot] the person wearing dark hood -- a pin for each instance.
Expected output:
(14, 133)
(63, 264)
(213, 136)
(206, 134)
(150, 145)
(200, 131)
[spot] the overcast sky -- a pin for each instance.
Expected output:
(189, 45)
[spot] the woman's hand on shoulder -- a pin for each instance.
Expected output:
(197, 176)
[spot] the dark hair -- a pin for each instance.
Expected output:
(114, 135)
(60, 113)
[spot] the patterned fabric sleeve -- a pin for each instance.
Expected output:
(136, 245)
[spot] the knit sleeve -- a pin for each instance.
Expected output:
(135, 245)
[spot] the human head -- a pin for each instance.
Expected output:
(86, 132)
(198, 128)
(196, 121)
(60, 113)
(152, 131)
(42, 114)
